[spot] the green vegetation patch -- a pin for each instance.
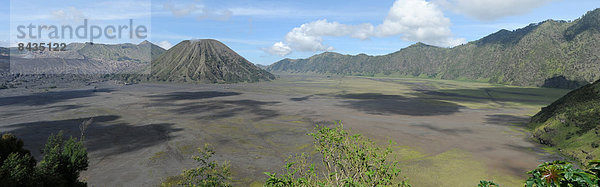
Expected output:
(185, 149)
(158, 156)
(572, 124)
(451, 168)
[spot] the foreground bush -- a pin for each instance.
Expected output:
(347, 160)
(61, 164)
(561, 173)
(208, 173)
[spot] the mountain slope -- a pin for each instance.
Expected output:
(572, 123)
(143, 52)
(528, 56)
(4, 51)
(263, 67)
(87, 58)
(205, 61)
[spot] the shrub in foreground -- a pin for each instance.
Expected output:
(487, 184)
(561, 173)
(347, 160)
(208, 173)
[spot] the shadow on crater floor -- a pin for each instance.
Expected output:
(107, 135)
(175, 96)
(381, 104)
(454, 132)
(506, 120)
(215, 108)
(45, 98)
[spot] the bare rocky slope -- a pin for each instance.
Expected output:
(80, 64)
(207, 61)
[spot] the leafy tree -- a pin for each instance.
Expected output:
(208, 173)
(63, 160)
(560, 173)
(18, 170)
(18, 166)
(11, 144)
(347, 160)
(298, 171)
(61, 164)
(595, 168)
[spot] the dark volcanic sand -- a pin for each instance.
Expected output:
(145, 132)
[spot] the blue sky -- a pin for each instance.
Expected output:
(267, 31)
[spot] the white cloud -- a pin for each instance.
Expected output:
(7, 44)
(213, 14)
(491, 9)
(181, 10)
(270, 11)
(4, 43)
(165, 44)
(414, 20)
(279, 49)
(418, 20)
(71, 14)
(308, 37)
(248, 11)
(200, 11)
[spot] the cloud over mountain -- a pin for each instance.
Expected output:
(165, 44)
(278, 49)
(413, 20)
(487, 10)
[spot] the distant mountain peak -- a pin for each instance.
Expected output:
(145, 42)
(205, 41)
(420, 44)
(326, 54)
(330, 53)
(205, 60)
(507, 37)
(588, 22)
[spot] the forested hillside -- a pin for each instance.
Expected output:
(550, 53)
(572, 123)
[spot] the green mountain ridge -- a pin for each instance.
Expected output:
(572, 123)
(529, 56)
(205, 60)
